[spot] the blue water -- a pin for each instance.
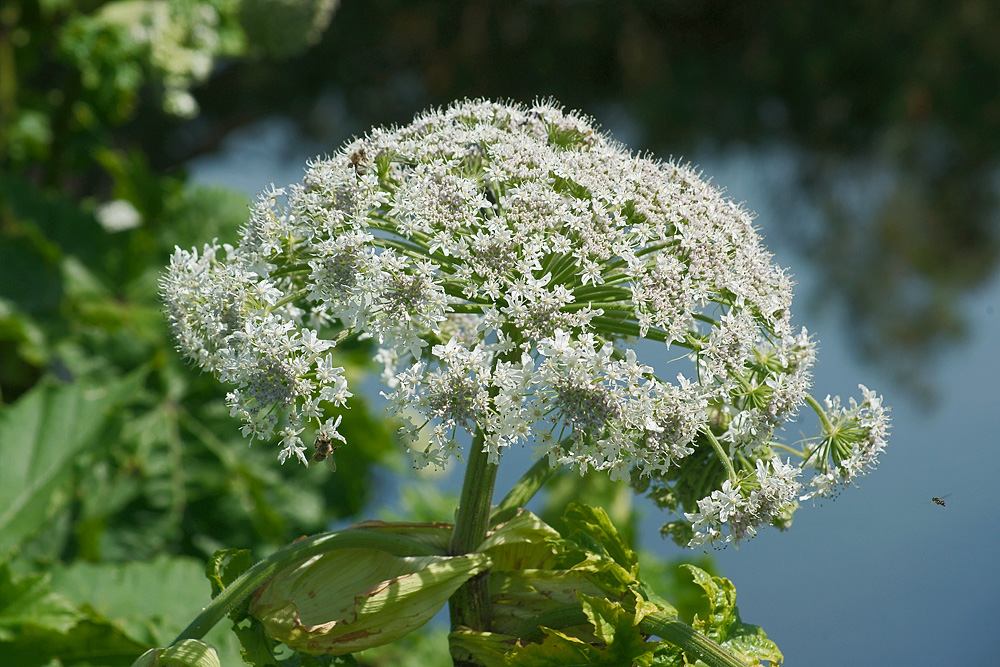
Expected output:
(881, 576)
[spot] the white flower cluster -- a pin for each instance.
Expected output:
(853, 438)
(501, 256)
(772, 489)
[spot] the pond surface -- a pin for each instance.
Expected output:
(882, 575)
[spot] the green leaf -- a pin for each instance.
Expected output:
(149, 602)
(723, 624)
(559, 650)
(721, 596)
(618, 629)
(262, 651)
(40, 437)
(30, 601)
(87, 643)
(225, 566)
(524, 542)
(751, 641)
(592, 528)
(255, 646)
(488, 648)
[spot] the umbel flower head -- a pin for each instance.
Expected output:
(506, 260)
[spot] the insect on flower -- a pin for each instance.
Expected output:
(324, 452)
(358, 161)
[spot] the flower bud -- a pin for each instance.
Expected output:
(348, 600)
(187, 653)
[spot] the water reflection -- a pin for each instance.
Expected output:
(884, 105)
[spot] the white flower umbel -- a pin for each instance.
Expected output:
(503, 258)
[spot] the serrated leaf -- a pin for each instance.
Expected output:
(751, 641)
(721, 596)
(149, 602)
(30, 601)
(255, 646)
(557, 650)
(40, 437)
(618, 629)
(594, 524)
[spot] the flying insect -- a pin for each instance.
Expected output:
(324, 452)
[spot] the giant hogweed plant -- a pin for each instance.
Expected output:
(510, 263)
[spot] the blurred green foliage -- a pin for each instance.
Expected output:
(120, 468)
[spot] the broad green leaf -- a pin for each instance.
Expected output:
(751, 641)
(30, 601)
(723, 624)
(255, 646)
(488, 648)
(524, 542)
(88, 643)
(614, 497)
(40, 437)
(520, 596)
(189, 653)
(150, 602)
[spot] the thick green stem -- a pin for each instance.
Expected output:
(470, 605)
(688, 639)
(249, 581)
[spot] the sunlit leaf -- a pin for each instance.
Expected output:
(150, 602)
(592, 527)
(30, 601)
(40, 437)
(721, 596)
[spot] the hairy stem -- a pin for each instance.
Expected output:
(690, 640)
(470, 605)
